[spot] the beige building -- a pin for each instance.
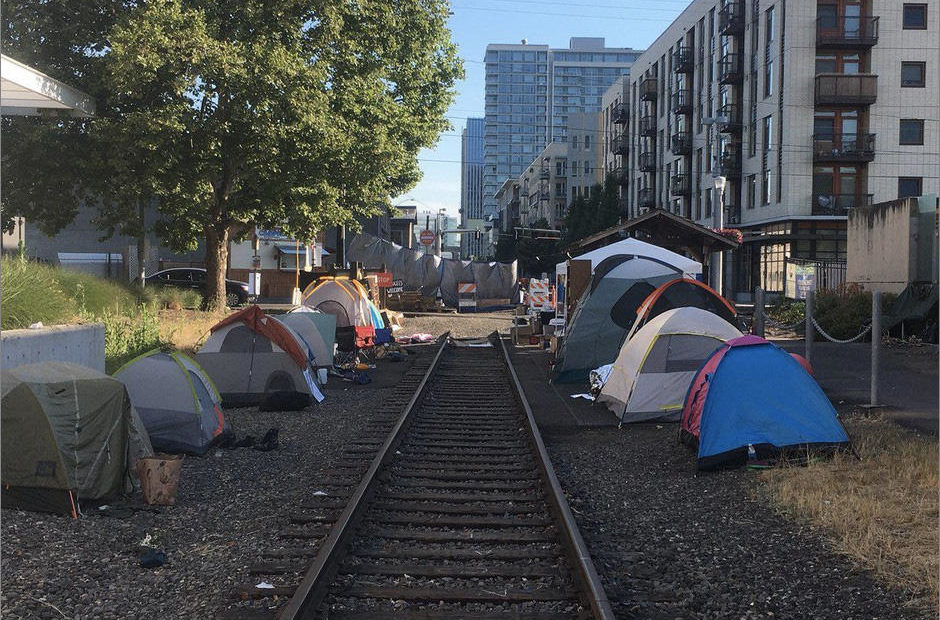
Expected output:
(807, 109)
(893, 244)
(585, 154)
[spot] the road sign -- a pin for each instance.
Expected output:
(427, 237)
(384, 279)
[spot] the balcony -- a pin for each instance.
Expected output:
(729, 164)
(839, 204)
(731, 18)
(621, 114)
(730, 69)
(622, 174)
(730, 119)
(683, 60)
(645, 198)
(524, 192)
(846, 89)
(846, 147)
(682, 101)
(732, 215)
(649, 89)
(545, 173)
(620, 145)
(844, 31)
(680, 185)
(648, 126)
(647, 162)
(682, 143)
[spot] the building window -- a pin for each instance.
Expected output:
(587, 143)
(751, 191)
(559, 190)
(558, 169)
(915, 17)
(765, 188)
(912, 131)
(769, 78)
(909, 186)
(913, 74)
(769, 24)
(768, 135)
(708, 203)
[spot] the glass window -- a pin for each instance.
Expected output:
(827, 16)
(912, 74)
(751, 191)
(769, 78)
(912, 131)
(770, 24)
(765, 187)
(915, 16)
(768, 134)
(909, 186)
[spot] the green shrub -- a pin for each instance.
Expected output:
(845, 312)
(788, 311)
(126, 337)
(161, 297)
(29, 293)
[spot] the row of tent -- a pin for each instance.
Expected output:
(71, 433)
(668, 349)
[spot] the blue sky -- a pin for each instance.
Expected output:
(475, 23)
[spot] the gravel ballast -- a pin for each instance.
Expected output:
(670, 542)
(229, 509)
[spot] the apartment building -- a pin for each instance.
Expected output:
(585, 154)
(801, 109)
(543, 187)
(530, 92)
(471, 187)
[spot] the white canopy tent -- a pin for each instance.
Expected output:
(25, 91)
(688, 266)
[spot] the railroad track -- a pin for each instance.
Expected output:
(458, 514)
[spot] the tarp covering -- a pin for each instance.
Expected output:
(429, 274)
(176, 400)
(752, 394)
(652, 374)
(66, 429)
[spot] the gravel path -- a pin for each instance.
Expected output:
(469, 325)
(228, 510)
(670, 542)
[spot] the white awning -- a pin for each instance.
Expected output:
(25, 91)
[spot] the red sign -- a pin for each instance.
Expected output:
(384, 279)
(427, 237)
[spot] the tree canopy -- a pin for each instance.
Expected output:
(238, 113)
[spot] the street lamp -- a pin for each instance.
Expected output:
(718, 217)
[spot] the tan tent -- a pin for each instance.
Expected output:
(69, 433)
(654, 369)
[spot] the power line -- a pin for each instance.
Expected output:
(547, 14)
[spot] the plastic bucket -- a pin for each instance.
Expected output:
(159, 478)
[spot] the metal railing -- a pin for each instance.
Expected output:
(731, 18)
(682, 101)
(683, 60)
(846, 88)
(682, 143)
(844, 147)
(649, 89)
(647, 162)
(846, 31)
(730, 69)
(839, 204)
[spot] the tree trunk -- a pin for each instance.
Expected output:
(216, 266)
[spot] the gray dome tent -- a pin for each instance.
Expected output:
(176, 400)
(606, 310)
(69, 433)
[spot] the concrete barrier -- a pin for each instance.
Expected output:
(80, 344)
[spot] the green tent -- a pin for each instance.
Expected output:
(68, 434)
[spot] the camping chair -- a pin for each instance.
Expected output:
(353, 343)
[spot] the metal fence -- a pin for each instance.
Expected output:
(820, 275)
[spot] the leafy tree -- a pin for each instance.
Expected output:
(242, 113)
(587, 216)
(537, 256)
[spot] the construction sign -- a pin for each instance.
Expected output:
(466, 296)
(539, 294)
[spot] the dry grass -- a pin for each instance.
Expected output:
(186, 329)
(881, 511)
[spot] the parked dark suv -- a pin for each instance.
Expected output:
(236, 293)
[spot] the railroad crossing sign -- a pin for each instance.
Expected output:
(427, 237)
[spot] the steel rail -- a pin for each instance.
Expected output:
(577, 550)
(315, 584)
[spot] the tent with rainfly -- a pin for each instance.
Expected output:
(345, 299)
(176, 400)
(652, 373)
(607, 308)
(318, 331)
(250, 355)
(69, 433)
(751, 395)
(680, 293)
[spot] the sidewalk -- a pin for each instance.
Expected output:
(909, 379)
